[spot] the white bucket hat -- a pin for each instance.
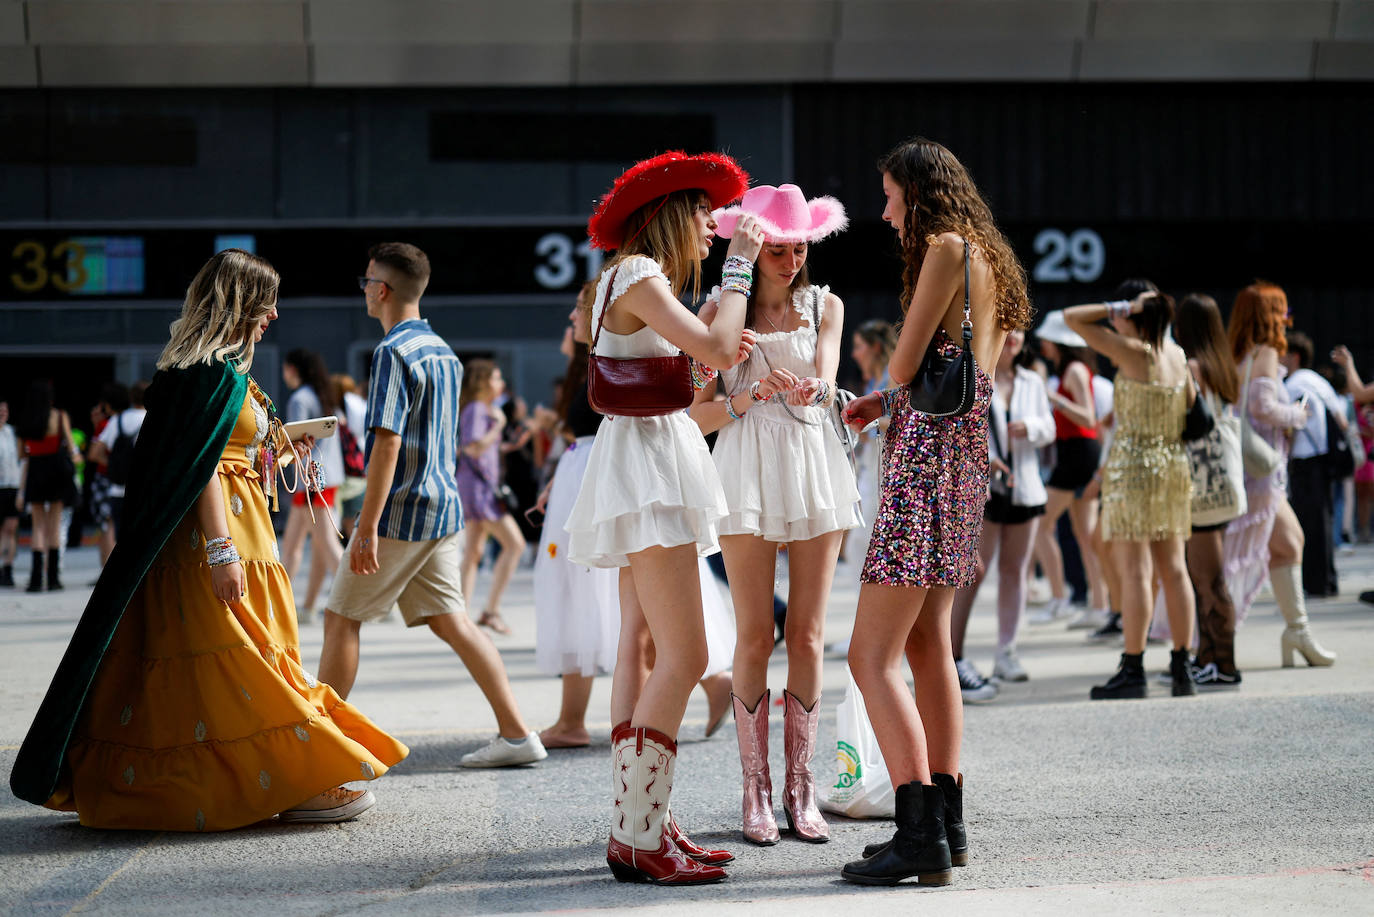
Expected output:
(1057, 331)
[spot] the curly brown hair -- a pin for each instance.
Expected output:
(941, 197)
(1259, 317)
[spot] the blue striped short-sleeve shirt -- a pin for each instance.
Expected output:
(413, 392)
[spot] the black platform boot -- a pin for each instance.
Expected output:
(957, 837)
(1127, 683)
(7, 575)
(919, 847)
(1181, 673)
(54, 568)
(36, 573)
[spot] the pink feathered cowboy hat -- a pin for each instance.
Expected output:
(714, 173)
(784, 214)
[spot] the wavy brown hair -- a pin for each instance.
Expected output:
(662, 230)
(1259, 317)
(940, 197)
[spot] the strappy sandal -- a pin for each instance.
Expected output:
(494, 622)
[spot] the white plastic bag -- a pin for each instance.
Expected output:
(862, 788)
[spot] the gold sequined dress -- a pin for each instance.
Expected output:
(1147, 486)
(201, 716)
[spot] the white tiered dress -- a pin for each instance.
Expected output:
(784, 479)
(649, 480)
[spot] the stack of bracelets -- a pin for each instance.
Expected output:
(1118, 308)
(737, 275)
(701, 374)
(220, 552)
(822, 394)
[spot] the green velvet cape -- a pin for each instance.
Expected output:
(191, 413)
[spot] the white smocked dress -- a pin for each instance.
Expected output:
(649, 480)
(786, 476)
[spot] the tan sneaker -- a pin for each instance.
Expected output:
(336, 805)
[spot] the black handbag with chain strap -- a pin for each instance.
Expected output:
(944, 385)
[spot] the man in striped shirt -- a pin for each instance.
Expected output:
(405, 549)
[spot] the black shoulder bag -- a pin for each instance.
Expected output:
(944, 386)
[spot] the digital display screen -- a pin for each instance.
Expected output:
(76, 266)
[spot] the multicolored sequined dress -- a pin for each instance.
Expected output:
(935, 484)
(1147, 483)
(201, 717)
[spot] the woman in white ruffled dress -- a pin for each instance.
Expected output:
(788, 481)
(577, 608)
(650, 499)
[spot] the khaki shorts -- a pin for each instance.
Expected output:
(422, 577)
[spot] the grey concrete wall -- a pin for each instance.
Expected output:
(79, 43)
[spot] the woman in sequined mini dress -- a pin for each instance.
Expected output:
(1147, 485)
(930, 514)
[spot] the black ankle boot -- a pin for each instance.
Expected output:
(54, 567)
(919, 847)
(1181, 673)
(36, 573)
(7, 575)
(1127, 683)
(953, 789)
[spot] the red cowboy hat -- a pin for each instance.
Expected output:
(715, 173)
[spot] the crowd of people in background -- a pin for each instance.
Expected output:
(1169, 462)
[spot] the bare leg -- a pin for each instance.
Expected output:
(325, 553)
(1172, 569)
(507, 534)
(632, 661)
(750, 564)
(571, 729)
(1286, 542)
(484, 664)
(339, 656)
(1083, 517)
(882, 628)
(9, 540)
(475, 542)
(1047, 546)
(53, 526)
(812, 571)
(293, 540)
(1012, 568)
(1110, 578)
(668, 584)
(964, 597)
(938, 698)
(1137, 591)
(41, 525)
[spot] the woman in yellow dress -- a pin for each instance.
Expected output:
(181, 703)
(1147, 483)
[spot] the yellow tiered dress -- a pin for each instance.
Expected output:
(201, 717)
(1147, 483)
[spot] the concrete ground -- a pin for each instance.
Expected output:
(1258, 800)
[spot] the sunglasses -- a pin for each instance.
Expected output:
(364, 281)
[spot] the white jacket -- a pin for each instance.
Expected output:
(1031, 406)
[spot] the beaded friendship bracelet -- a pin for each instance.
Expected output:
(220, 552)
(1118, 308)
(754, 394)
(730, 409)
(701, 374)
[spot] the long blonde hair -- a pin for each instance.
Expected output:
(229, 296)
(664, 231)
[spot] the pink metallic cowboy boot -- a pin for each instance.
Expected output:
(799, 787)
(751, 728)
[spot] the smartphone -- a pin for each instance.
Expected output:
(318, 427)
(1305, 400)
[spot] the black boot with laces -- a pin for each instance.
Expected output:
(1127, 683)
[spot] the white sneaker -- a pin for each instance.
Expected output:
(972, 685)
(500, 752)
(1038, 591)
(336, 805)
(1089, 619)
(1054, 610)
(1006, 666)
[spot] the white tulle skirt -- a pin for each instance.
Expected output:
(649, 481)
(785, 480)
(576, 608)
